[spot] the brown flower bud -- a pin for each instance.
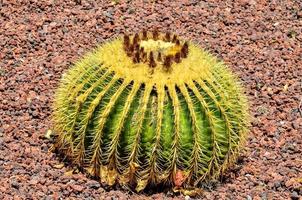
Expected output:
(174, 38)
(167, 36)
(135, 39)
(130, 50)
(141, 50)
(184, 50)
(159, 57)
(152, 63)
(155, 34)
(126, 41)
(167, 63)
(177, 57)
(144, 35)
(136, 47)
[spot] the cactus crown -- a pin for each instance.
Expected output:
(149, 108)
(157, 49)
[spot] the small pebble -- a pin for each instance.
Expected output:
(295, 196)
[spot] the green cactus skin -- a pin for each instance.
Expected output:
(136, 119)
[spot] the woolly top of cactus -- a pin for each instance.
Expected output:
(155, 60)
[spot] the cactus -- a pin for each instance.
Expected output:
(150, 109)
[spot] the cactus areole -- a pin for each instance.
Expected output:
(150, 109)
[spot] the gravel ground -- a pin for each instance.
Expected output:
(260, 40)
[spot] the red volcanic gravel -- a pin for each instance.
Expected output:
(260, 41)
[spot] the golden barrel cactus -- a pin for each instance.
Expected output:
(150, 109)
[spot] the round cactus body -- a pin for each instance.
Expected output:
(150, 109)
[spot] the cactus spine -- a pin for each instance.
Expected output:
(141, 109)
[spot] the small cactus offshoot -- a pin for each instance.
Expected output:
(150, 109)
